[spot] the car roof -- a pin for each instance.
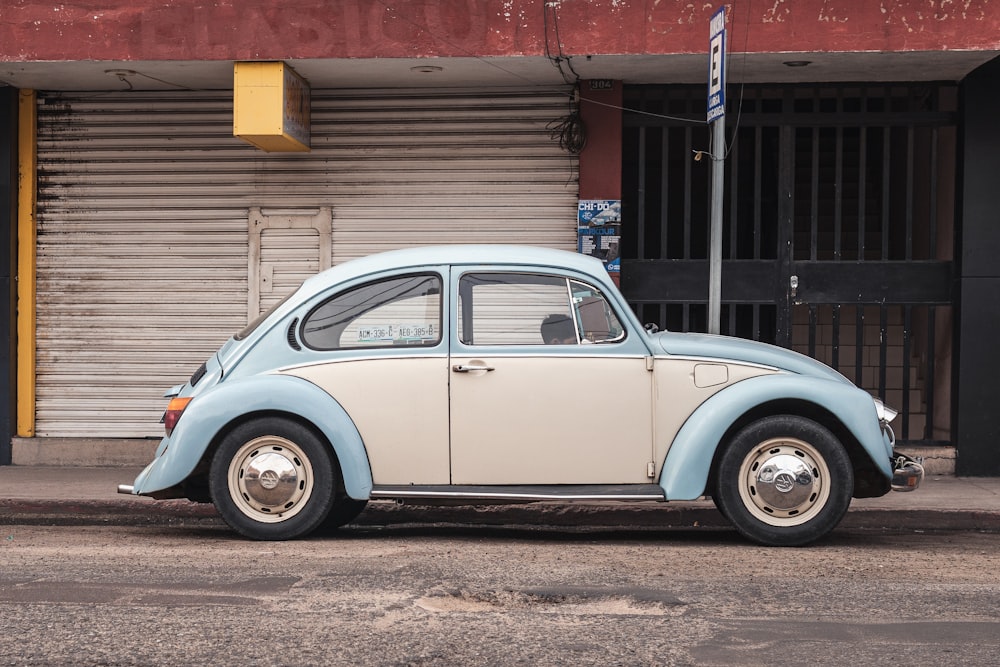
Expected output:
(479, 254)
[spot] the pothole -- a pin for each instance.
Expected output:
(557, 600)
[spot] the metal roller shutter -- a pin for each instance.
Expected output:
(144, 204)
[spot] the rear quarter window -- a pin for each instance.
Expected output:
(399, 311)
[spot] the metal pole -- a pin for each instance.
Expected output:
(715, 230)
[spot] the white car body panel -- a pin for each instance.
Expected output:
(681, 385)
(588, 418)
(400, 408)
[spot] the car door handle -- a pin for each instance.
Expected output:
(469, 368)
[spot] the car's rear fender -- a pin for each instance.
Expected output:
(688, 463)
(211, 414)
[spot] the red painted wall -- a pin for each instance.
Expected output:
(601, 158)
(265, 29)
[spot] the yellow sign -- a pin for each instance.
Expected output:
(271, 106)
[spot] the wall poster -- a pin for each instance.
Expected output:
(599, 223)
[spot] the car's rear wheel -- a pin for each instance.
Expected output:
(784, 481)
(272, 479)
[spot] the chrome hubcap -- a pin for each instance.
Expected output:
(270, 479)
(784, 482)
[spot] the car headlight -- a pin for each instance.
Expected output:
(886, 415)
(884, 412)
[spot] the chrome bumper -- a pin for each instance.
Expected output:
(126, 489)
(907, 473)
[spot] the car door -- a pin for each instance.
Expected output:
(546, 385)
(382, 355)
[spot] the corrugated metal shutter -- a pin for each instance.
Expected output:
(144, 205)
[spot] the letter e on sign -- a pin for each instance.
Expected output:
(715, 74)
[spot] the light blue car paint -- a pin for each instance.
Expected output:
(739, 349)
(240, 377)
(686, 468)
(267, 347)
(209, 413)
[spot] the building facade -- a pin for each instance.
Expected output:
(140, 231)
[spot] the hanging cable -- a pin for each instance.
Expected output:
(570, 130)
(395, 15)
(743, 78)
(557, 60)
(562, 57)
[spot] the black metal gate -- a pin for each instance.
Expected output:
(838, 229)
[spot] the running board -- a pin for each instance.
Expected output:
(520, 493)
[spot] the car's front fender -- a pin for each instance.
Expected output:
(687, 466)
(206, 416)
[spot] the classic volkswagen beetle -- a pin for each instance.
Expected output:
(509, 374)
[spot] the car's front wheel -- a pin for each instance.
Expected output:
(784, 481)
(272, 479)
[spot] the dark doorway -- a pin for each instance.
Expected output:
(8, 264)
(838, 229)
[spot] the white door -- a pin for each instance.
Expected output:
(378, 350)
(531, 404)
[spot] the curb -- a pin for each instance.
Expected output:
(923, 520)
(103, 513)
(385, 514)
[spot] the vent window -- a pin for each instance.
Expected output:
(198, 374)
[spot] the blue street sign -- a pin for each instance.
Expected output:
(717, 65)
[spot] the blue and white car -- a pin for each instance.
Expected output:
(509, 374)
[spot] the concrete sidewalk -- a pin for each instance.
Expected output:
(88, 496)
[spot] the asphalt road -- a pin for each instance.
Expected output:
(446, 595)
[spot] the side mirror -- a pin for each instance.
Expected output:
(651, 327)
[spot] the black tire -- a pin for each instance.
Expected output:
(272, 479)
(718, 506)
(345, 510)
(784, 481)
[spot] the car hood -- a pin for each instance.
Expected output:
(738, 349)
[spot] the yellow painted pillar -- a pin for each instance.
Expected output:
(26, 201)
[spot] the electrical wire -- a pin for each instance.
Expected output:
(456, 47)
(739, 107)
(163, 81)
(574, 134)
(570, 131)
(561, 58)
(699, 154)
(680, 119)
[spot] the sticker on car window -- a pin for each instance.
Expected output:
(392, 333)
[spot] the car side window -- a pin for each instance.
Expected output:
(403, 310)
(595, 317)
(532, 309)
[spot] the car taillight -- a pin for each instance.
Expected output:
(174, 411)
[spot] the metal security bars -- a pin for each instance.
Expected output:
(838, 229)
